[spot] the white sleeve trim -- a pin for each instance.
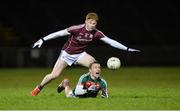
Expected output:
(56, 34)
(79, 90)
(113, 43)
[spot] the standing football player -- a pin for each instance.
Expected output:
(89, 84)
(73, 51)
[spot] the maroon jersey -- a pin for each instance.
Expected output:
(80, 38)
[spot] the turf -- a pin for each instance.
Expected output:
(129, 88)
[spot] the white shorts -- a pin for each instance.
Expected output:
(71, 58)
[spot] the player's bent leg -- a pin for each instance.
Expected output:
(58, 68)
(85, 60)
(63, 85)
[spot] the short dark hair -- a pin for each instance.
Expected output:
(95, 62)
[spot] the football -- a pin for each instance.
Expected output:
(113, 63)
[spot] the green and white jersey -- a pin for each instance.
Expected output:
(87, 81)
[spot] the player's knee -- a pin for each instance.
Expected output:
(70, 95)
(91, 61)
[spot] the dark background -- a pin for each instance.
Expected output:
(151, 26)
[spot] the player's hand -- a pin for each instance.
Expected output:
(133, 50)
(92, 88)
(38, 43)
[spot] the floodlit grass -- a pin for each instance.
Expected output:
(129, 88)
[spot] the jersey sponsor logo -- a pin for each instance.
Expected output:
(84, 37)
(89, 83)
(91, 36)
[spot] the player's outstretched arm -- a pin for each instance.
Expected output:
(51, 36)
(79, 90)
(117, 45)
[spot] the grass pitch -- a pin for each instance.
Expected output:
(129, 88)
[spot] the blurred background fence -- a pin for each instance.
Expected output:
(46, 57)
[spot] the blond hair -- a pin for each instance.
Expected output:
(93, 16)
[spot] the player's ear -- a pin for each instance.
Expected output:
(86, 21)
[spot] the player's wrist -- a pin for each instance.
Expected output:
(127, 49)
(43, 39)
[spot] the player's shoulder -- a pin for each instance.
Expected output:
(75, 27)
(97, 31)
(84, 76)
